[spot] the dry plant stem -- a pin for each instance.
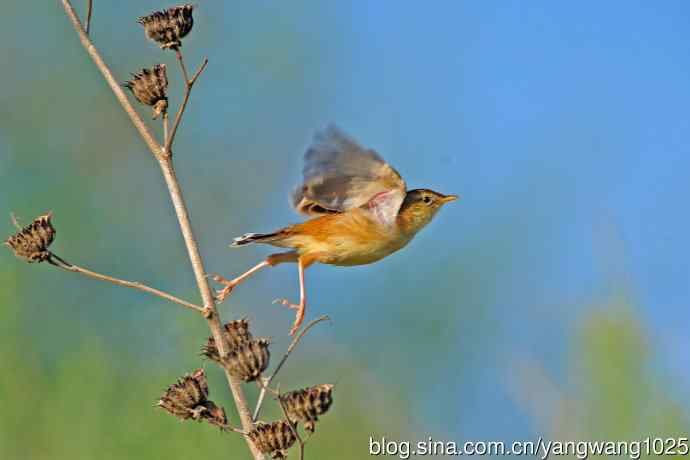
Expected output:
(234, 430)
(293, 427)
(165, 127)
(211, 313)
(165, 162)
(178, 55)
(89, 10)
(137, 121)
(264, 384)
(61, 263)
(189, 83)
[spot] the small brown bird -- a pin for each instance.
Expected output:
(363, 210)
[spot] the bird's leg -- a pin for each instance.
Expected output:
(301, 307)
(271, 261)
(230, 284)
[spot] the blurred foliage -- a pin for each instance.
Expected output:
(87, 404)
(620, 395)
(612, 390)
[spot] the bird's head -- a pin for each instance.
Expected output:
(419, 207)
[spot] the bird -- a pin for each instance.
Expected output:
(360, 209)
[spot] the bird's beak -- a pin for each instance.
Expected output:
(449, 198)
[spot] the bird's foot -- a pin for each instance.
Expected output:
(221, 294)
(299, 315)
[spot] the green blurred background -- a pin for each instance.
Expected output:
(551, 300)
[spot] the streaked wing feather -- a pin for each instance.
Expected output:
(339, 175)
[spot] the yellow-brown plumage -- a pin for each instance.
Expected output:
(355, 237)
(364, 212)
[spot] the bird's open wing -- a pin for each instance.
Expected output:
(339, 175)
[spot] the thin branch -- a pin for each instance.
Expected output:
(198, 72)
(293, 427)
(264, 385)
(138, 123)
(165, 162)
(178, 55)
(165, 127)
(61, 263)
(188, 84)
(210, 310)
(233, 429)
(89, 10)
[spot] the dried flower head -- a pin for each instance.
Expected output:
(236, 333)
(249, 360)
(187, 399)
(273, 438)
(170, 26)
(150, 87)
(31, 242)
(307, 404)
(215, 415)
(184, 395)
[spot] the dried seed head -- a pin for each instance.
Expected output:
(31, 242)
(307, 404)
(187, 399)
(236, 333)
(150, 87)
(168, 27)
(273, 438)
(215, 415)
(181, 398)
(249, 360)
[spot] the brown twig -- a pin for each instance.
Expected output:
(264, 384)
(88, 45)
(165, 127)
(63, 264)
(178, 55)
(233, 429)
(188, 84)
(293, 427)
(165, 163)
(212, 316)
(89, 10)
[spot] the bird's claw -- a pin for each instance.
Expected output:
(219, 278)
(299, 316)
(221, 294)
(287, 303)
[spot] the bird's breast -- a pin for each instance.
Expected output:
(352, 238)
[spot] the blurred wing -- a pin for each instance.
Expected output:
(339, 175)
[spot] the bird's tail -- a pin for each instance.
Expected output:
(249, 238)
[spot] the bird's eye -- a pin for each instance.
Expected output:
(427, 199)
